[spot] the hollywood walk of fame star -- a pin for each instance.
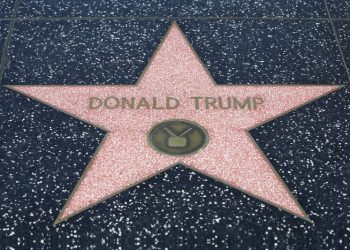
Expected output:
(125, 158)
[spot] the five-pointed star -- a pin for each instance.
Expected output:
(124, 158)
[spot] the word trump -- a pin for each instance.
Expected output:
(198, 103)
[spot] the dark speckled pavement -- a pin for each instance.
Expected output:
(43, 152)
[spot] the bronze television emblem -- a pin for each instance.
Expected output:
(177, 137)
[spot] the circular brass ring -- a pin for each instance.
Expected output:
(177, 137)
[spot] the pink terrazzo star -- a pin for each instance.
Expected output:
(124, 158)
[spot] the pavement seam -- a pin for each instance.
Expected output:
(260, 18)
(4, 58)
(337, 40)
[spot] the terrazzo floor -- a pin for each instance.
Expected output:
(43, 152)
